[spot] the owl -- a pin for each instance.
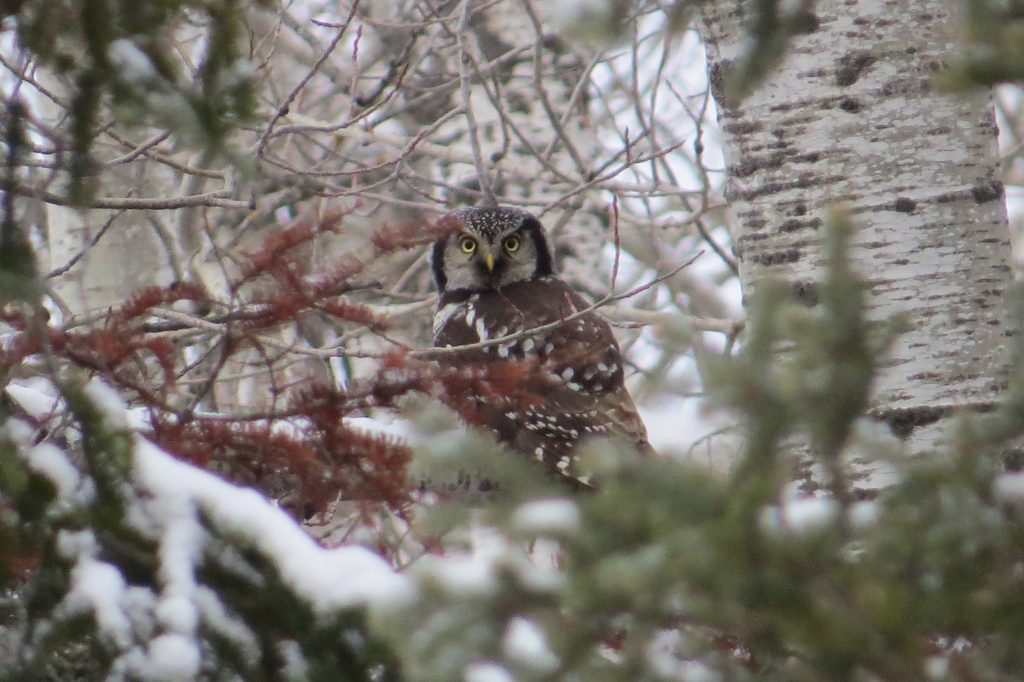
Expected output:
(496, 277)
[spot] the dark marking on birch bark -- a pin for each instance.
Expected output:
(902, 422)
(793, 225)
(990, 192)
(717, 75)
(905, 205)
(742, 127)
(850, 66)
(751, 165)
(777, 257)
(806, 293)
(850, 105)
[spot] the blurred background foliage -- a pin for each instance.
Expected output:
(115, 52)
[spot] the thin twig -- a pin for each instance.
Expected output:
(286, 104)
(467, 105)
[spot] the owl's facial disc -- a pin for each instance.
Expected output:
(496, 247)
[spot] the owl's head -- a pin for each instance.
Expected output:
(488, 248)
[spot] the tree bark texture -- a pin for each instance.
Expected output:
(851, 117)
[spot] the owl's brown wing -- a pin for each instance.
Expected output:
(579, 370)
(591, 399)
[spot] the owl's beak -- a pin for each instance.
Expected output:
(489, 262)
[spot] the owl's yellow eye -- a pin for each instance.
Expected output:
(511, 244)
(467, 244)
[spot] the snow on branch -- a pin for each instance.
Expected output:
(179, 570)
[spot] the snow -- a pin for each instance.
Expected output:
(72, 544)
(799, 515)
(295, 666)
(330, 579)
(131, 63)
(38, 399)
(665, 659)
(18, 431)
(1009, 488)
(863, 514)
(170, 496)
(525, 644)
(108, 402)
(487, 672)
(552, 516)
(155, 629)
(48, 460)
(178, 613)
(171, 657)
(99, 587)
(480, 571)
(217, 619)
(465, 575)
(386, 425)
(809, 513)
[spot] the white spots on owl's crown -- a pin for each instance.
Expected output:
(493, 221)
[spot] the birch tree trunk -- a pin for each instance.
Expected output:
(851, 117)
(105, 255)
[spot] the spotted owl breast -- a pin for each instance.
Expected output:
(577, 349)
(487, 317)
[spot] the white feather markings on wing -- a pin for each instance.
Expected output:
(482, 332)
(447, 312)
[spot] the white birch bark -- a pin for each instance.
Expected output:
(104, 255)
(850, 117)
